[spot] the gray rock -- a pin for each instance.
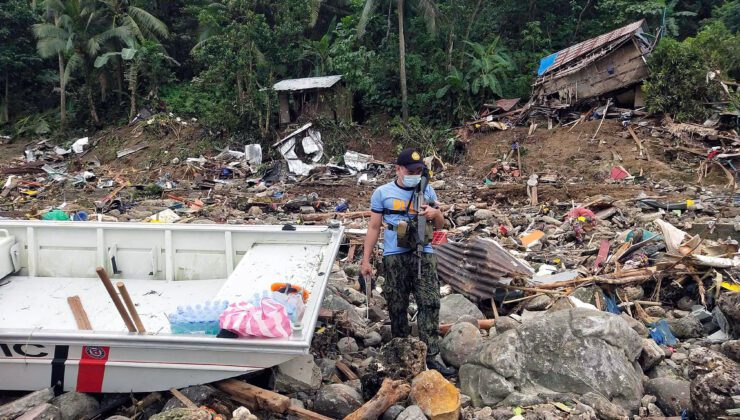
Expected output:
(517, 399)
(651, 354)
(255, 211)
(685, 303)
(21, 405)
(453, 306)
(636, 325)
(678, 313)
(604, 408)
(506, 323)
(586, 294)
(679, 357)
(352, 270)
(539, 303)
(182, 414)
(460, 343)
(347, 345)
(406, 356)
(632, 293)
(199, 394)
(75, 405)
(664, 370)
(393, 412)
(569, 351)
(483, 214)
(655, 311)
(732, 349)
(354, 297)
(686, 327)
(672, 394)
(42, 412)
(338, 303)
(470, 319)
(729, 304)
(714, 385)
(337, 400)
(463, 220)
(296, 375)
(412, 412)
(654, 411)
(372, 339)
(465, 401)
(328, 368)
(647, 399)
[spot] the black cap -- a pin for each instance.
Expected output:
(410, 158)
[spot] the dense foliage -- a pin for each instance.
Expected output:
(72, 64)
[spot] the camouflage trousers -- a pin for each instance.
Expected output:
(401, 272)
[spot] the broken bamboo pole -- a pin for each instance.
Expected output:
(390, 393)
(115, 298)
(130, 306)
(483, 324)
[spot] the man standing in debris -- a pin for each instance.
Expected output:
(392, 203)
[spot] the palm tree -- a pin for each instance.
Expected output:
(429, 12)
(78, 34)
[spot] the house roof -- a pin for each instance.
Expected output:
(563, 57)
(306, 83)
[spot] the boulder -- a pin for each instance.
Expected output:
(337, 303)
(651, 354)
(393, 412)
(672, 394)
(460, 343)
(470, 319)
(75, 405)
(412, 412)
(347, 345)
(569, 351)
(506, 323)
(686, 327)
(372, 339)
(604, 408)
(731, 349)
(729, 304)
(198, 394)
(636, 325)
(42, 412)
(296, 375)
(182, 414)
(586, 294)
(243, 413)
(404, 357)
(453, 306)
(437, 397)
(539, 303)
(714, 385)
(482, 214)
(337, 400)
(328, 368)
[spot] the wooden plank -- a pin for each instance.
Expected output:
(307, 414)
(254, 396)
(183, 399)
(83, 322)
(346, 371)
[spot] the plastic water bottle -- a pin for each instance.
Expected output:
(197, 319)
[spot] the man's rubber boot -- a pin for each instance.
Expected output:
(432, 363)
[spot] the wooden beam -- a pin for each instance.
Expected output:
(346, 370)
(183, 399)
(83, 322)
(254, 397)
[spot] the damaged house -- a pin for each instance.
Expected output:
(612, 63)
(313, 96)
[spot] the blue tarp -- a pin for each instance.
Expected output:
(545, 63)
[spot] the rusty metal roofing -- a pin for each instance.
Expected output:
(306, 83)
(571, 53)
(474, 267)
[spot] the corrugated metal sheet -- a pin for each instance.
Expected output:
(569, 54)
(307, 83)
(474, 267)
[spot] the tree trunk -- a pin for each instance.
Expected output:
(62, 95)
(90, 99)
(4, 109)
(473, 16)
(133, 86)
(402, 63)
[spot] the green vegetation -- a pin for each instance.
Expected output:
(426, 65)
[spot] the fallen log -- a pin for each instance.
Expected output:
(390, 392)
(15, 408)
(482, 324)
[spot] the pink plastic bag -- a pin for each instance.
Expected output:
(267, 320)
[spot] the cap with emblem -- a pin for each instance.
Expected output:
(410, 158)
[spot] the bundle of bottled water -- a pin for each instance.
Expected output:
(198, 319)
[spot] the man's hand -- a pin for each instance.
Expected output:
(430, 212)
(365, 268)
